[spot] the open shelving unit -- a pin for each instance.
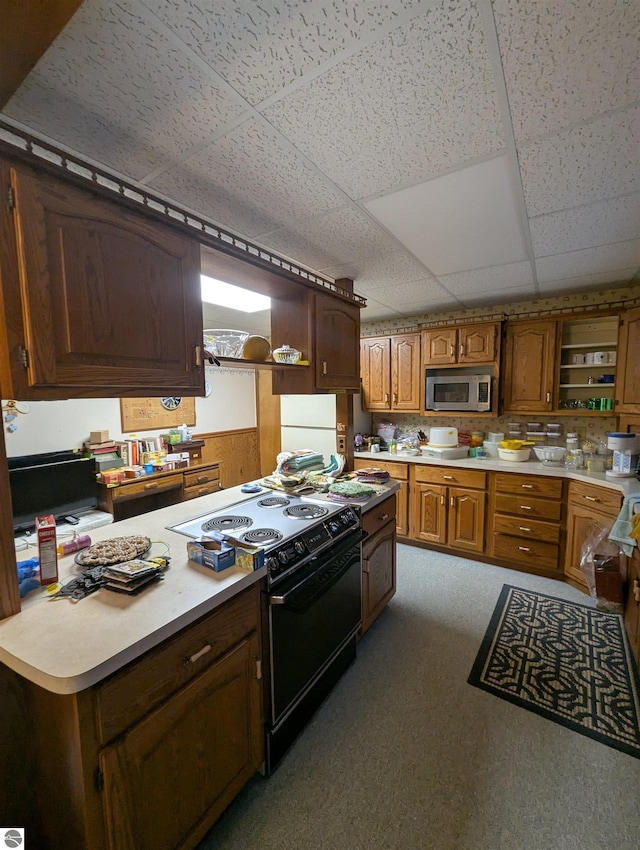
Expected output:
(588, 352)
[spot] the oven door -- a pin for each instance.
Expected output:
(312, 615)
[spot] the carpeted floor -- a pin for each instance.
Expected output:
(406, 755)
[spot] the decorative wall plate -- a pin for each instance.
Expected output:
(171, 402)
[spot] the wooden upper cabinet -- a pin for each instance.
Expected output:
(529, 369)
(375, 365)
(336, 344)
(391, 373)
(462, 346)
(628, 364)
(98, 301)
(406, 372)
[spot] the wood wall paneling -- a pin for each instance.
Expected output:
(268, 421)
(237, 452)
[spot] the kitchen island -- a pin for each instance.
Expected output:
(115, 704)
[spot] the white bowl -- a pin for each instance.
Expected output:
(549, 454)
(514, 454)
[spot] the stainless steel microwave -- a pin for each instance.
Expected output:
(458, 392)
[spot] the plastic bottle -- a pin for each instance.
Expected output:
(572, 441)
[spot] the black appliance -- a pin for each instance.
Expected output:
(60, 483)
(313, 558)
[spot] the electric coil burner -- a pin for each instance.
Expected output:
(291, 529)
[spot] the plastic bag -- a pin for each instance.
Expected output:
(603, 565)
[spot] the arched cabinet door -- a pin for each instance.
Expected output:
(99, 301)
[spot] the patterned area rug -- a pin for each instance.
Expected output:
(565, 661)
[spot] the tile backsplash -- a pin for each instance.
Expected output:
(584, 426)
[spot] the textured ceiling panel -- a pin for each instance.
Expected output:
(427, 289)
(253, 168)
(112, 72)
(260, 48)
(416, 103)
(497, 296)
(489, 279)
(621, 255)
(591, 281)
(567, 60)
(587, 226)
(449, 223)
(590, 163)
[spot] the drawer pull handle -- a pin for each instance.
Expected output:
(591, 498)
(526, 508)
(150, 486)
(193, 658)
(201, 479)
(523, 528)
(384, 517)
(442, 499)
(527, 486)
(324, 367)
(524, 548)
(386, 397)
(448, 478)
(452, 502)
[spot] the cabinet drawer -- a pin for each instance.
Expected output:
(145, 487)
(596, 497)
(550, 488)
(380, 515)
(528, 506)
(531, 553)
(129, 694)
(527, 528)
(200, 490)
(450, 476)
(202, 476)
(400, 471)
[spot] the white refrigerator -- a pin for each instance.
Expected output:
(308, 422)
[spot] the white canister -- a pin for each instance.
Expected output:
(611, 357)
(495, 437)
(443, 437)
(579, 359)
(588, 358)
(599, 357)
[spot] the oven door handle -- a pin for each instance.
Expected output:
(303, 595)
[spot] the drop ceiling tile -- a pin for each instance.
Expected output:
(345, 236)
(464, 220)
(590, 261)
(111, 74)
(425, 290)
(409, 106)
(250, 168)
(375, 310)
(590, 163)
(498, 296)
(567, 61)
(587, 226)
(260, 48)
(621, 277)
(489, 279)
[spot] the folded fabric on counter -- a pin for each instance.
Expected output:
(621, 532)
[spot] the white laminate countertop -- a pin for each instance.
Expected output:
(626, 486)
(67, 646)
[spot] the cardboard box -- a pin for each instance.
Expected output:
(47, 549)
(133, 471)
(112, 476)
(248, 558)
(99, 436)
(214, 554)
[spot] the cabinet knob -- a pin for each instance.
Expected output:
(384, 517)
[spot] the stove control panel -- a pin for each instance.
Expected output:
(291, 554)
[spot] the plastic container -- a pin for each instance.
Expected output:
(549, 454)
(443, 437)
(495, 436)
(572, 441)
(517, 455)
(491, 448)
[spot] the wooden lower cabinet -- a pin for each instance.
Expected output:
(378, 560)
(526, 526)
(452, 516)
(149, 758)
(590, 509)
(399, 472)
